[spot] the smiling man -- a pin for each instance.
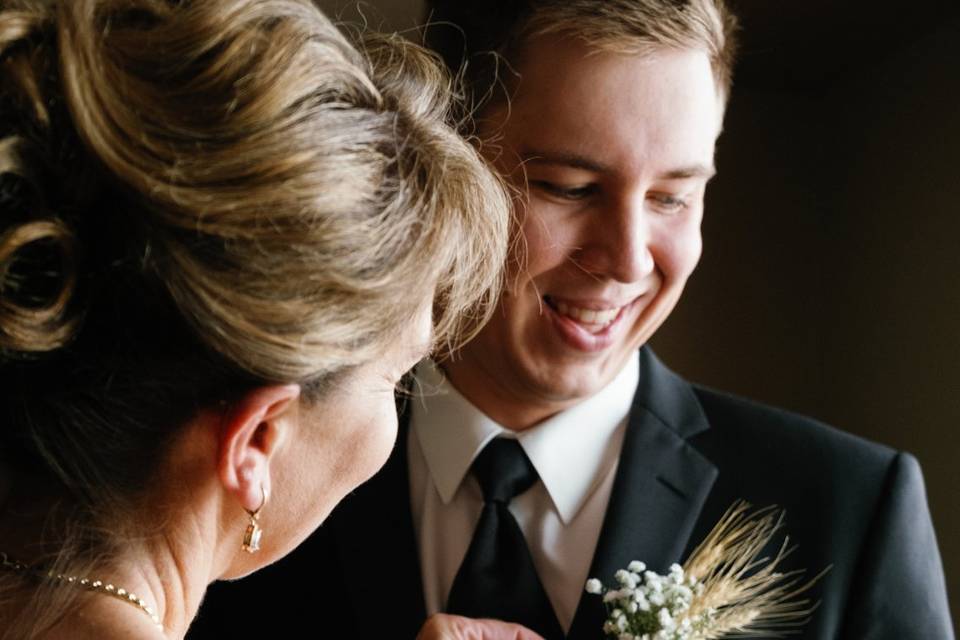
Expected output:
(555, 446)
(614, 154)
(604, 115)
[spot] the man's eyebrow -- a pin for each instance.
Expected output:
(693, 171)
(573, 160)
(577, 161)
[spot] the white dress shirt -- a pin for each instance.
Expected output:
(575, 454)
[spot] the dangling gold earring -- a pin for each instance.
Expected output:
(251, 537)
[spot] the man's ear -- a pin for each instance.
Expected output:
(252, 429)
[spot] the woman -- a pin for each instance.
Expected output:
(224, 237)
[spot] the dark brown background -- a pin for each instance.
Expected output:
(830, 281)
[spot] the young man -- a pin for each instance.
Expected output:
(605, 117)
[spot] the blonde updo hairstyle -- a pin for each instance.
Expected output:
(200, 197)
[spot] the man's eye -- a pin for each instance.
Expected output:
(566, 193)
(669, 203)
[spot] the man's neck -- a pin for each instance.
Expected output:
(512, 409)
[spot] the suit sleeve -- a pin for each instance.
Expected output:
(899, 591)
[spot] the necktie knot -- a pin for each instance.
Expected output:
(503, 470)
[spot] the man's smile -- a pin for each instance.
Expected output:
(593, 316)
(587, 330)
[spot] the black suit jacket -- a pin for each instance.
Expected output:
(688, 454)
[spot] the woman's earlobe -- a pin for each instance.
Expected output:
(251, 432)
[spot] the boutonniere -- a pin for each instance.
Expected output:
(722, 590)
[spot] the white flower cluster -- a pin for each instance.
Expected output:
(648, 606)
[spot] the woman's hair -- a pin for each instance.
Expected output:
(198, 197)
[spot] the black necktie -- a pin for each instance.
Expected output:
(497, 578)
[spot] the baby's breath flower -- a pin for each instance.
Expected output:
(625, 578)
(653, 580)
(665, 619)
(648, 606)
(676, 573)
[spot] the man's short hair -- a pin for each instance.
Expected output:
(479, 37)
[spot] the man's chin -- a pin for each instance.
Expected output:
(567, 388)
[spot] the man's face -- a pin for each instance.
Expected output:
(614, 152)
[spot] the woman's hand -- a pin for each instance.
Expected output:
(446, 627)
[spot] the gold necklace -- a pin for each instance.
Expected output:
(86, 583)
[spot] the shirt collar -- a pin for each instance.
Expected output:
(571, 451)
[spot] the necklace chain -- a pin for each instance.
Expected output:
(98, 586)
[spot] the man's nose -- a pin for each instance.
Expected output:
(623, 242)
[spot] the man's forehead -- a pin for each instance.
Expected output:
(606, 112)
(556, 51)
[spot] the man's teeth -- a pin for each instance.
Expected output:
(588, 316)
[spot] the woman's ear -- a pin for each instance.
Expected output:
(252, 429)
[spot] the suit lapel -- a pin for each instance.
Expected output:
(377, 545)
(661, 485)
